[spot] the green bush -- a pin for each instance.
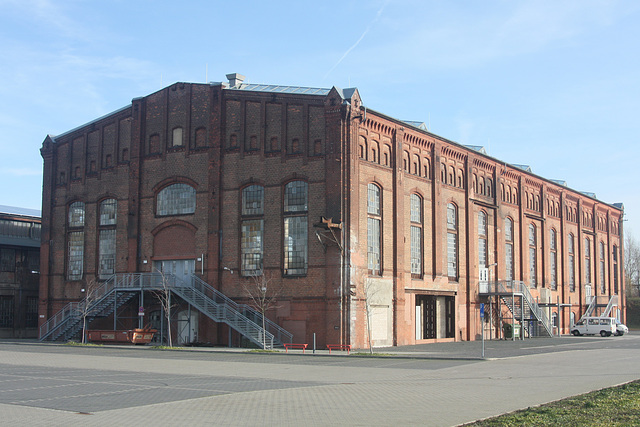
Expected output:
(633, 312)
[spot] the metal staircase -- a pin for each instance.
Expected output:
(613, 302)
(120, 288)
(100, 301)
(280, 335)
(518, 299)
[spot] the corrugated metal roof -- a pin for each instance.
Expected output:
(12, 210)
(282, 89)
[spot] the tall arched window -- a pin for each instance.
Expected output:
(572, 263)
(587, 261)
(416, 236)
(615, 269)
(603, 284)
(251, 244)
(452, 242)
(75, 241)
(176, 199)
(533, 256)
(508, 248)
(374, 222)
(107, 238)
(553, 260)
(296, 207)
(482, 239)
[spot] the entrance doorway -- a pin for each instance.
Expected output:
(187, 327)
(181, 268)
(434, 317)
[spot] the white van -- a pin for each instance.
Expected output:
(605, 326)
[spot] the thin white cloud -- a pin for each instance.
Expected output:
(20, 172)
(453, 37)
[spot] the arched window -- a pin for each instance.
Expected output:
(533, 256)
(374, 222)
(508, 253)
(416, 236)
(252, 230)
(107, 238)
(427, 168)
(603, 284)
(76, 214)
(572, 263)
(587, 261)
(75, 241)
(482, 239)
(296, 206)
(553, 260)
(452, 242)
(176, 199)
(615, 269)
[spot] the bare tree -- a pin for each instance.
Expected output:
(86, 307)
(164, 296)
(262, 293)
(631, 264)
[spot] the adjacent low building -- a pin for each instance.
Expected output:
(19, 272)
(358, 228)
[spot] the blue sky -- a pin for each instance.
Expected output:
(552, 84)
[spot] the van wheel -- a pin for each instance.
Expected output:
(576, 333)
(603, 334)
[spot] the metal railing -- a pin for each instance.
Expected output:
(196, 291)
(280, 334)
(613, 302)
(506, 288)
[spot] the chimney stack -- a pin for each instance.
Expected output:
(235, 80)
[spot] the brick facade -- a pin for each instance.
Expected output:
(218, 140)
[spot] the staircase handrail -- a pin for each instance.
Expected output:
(520, 288)
(56, 320)
(232, 316)
(98, 293)
(536, 310)
(590, 307)
(613, 301)
(501, 286)
(280, 333)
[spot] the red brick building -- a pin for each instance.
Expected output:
(362, 222)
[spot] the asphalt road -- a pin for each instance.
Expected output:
(433, 385)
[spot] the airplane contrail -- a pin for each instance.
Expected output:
(378, 14)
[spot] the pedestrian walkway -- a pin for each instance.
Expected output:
(421, 385)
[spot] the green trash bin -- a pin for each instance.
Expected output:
(516, 331)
